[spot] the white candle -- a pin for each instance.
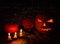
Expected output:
(15, 35)
(9, 36)
(21, 34)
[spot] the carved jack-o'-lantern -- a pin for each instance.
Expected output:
(44, 23)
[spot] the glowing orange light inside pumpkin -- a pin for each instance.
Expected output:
(44, 24)
(11, 28)
(39, 20)
(51, 21)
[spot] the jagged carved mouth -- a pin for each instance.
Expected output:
(45, 29)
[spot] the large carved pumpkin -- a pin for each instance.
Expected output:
(44, 23)
(11, 28)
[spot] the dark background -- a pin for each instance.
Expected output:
(14, 11)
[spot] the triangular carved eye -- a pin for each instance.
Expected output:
(39, 20)
(51, 21)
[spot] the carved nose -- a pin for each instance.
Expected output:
(44, 24)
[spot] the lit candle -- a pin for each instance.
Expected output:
(9, 36)
(15, 35)
(21, 34)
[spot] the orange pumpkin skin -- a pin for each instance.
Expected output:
(27, 24)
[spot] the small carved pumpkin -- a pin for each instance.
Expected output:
(11, 28)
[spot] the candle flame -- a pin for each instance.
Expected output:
(8, 34)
